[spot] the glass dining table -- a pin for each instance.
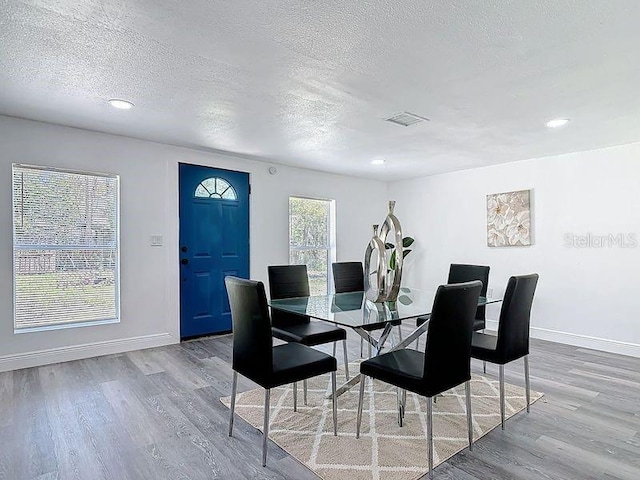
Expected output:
(356, 311)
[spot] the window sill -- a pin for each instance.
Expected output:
(48, 328)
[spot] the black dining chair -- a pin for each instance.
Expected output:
(461, 273)
(255, 357)
(512, 341)
(444, 364)
(290, 281)
(349, 277)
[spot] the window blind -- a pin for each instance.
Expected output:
(65, 247)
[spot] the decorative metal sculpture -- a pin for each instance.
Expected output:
(389, 273)
(375, 293)
(394, 272)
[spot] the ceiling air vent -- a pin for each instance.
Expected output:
(405, 119)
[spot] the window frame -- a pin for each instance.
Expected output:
(331, 236)
(211, 195)
(116, 248)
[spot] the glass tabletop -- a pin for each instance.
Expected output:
(355, 310)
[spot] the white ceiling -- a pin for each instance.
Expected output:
(307, 83)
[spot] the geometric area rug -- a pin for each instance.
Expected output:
(384, 450)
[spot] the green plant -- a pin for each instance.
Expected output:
(406, 243)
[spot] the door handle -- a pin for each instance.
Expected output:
(184, 261)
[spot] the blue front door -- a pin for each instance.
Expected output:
(214, 243)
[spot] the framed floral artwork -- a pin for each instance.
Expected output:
(509, 219)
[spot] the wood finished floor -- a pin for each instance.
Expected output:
(155, 414)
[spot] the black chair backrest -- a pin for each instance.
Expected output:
(252, 341)
(460, 273)
(287, 281)
(515, 315)
(346, 302)
(348, 277)
(448, 351)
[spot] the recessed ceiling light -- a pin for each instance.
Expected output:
(121, 104)
(557, 122)
(377, 161)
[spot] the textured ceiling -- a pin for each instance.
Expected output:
(308, 83)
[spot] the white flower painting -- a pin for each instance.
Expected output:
(509, 219)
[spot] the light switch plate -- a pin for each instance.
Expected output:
(156, 240)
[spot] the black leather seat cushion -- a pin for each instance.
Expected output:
(402, 368)
(379, 326)
(293, 362)
(310, 333)
(484, 347)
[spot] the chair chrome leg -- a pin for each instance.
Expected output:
(502, 399)
(304, 390)
(346, 359)
(484, 363)
(361, 346)
(295, 396)
(265, 434)
(400, 332)
(526, 381)
(334, 400)
(404, 402)
(234, 388)
(363, 379)
(467, 392)
(399, 401)
(334, 349)
(369, 349)
(430, 435)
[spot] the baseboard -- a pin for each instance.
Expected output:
(585, 341)
(77, 352)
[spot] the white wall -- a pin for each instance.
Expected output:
(586, 296)
(149, 205)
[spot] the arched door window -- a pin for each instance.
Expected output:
(216, 188)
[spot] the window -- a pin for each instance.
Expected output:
(312, 240)
(65, 248)
(215, 188)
